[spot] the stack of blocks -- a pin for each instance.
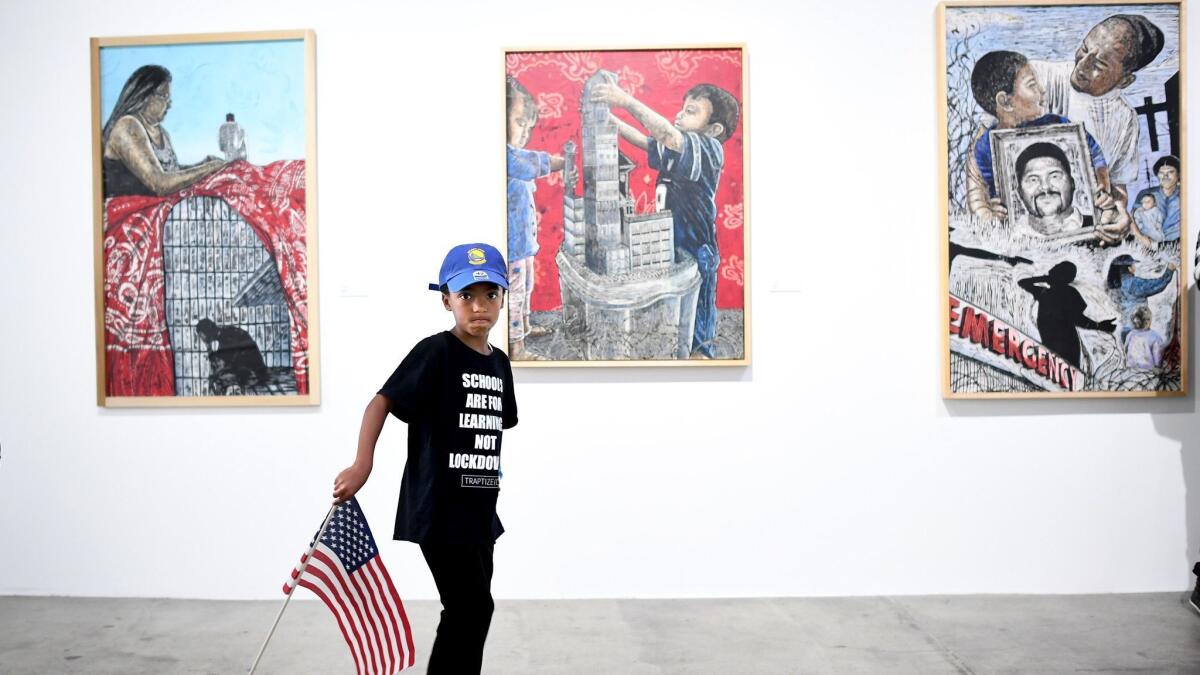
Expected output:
(611, 313)
(612, 239)
(602, 211)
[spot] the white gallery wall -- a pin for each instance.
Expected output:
(830, 467)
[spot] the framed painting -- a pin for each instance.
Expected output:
(1062, 221)
(627, 211)
(204, 156)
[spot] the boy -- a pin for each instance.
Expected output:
(1004, 85)
(1143, 345)
(524, 166)
(455, 391)
(689, 157)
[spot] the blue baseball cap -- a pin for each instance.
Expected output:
(468, 264)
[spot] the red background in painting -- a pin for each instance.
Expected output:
(659, 79)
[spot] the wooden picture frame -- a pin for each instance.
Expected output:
(619, 277)
(1045, 298)
(204, 196)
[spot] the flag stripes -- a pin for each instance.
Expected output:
(345, 572)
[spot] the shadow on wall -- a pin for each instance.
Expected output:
(1173, 418)
(1181, 426)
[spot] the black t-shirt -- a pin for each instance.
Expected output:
(456, 401)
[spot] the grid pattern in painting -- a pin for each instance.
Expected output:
(217, 268)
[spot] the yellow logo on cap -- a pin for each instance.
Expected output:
(475, 256)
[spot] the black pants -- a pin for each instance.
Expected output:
(463, 574)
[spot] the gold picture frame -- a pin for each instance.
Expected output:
(630, 299)
(205, 219)
(1050, 302)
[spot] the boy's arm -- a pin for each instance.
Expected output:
(353, 477)
(658, 126)
(982, 204)
(530, 164)
(629, 133)
(527, 164)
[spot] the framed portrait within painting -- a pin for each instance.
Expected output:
(1062, 200)
(627, 214)
(1013, 150)
(205, 234)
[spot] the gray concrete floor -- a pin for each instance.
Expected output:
(1151, 633)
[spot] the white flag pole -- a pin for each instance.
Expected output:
(296, 584)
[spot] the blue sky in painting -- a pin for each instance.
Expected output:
(261, 83)
(1054, 33)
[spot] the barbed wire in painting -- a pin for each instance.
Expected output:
(960, 120)
(1113, 375)
(992, 284)
(971, 376)
(1121, 379)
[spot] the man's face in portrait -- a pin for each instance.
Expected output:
(1046, 187)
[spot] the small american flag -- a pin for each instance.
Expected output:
(346, 573)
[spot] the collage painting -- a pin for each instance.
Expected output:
(1063, 228)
